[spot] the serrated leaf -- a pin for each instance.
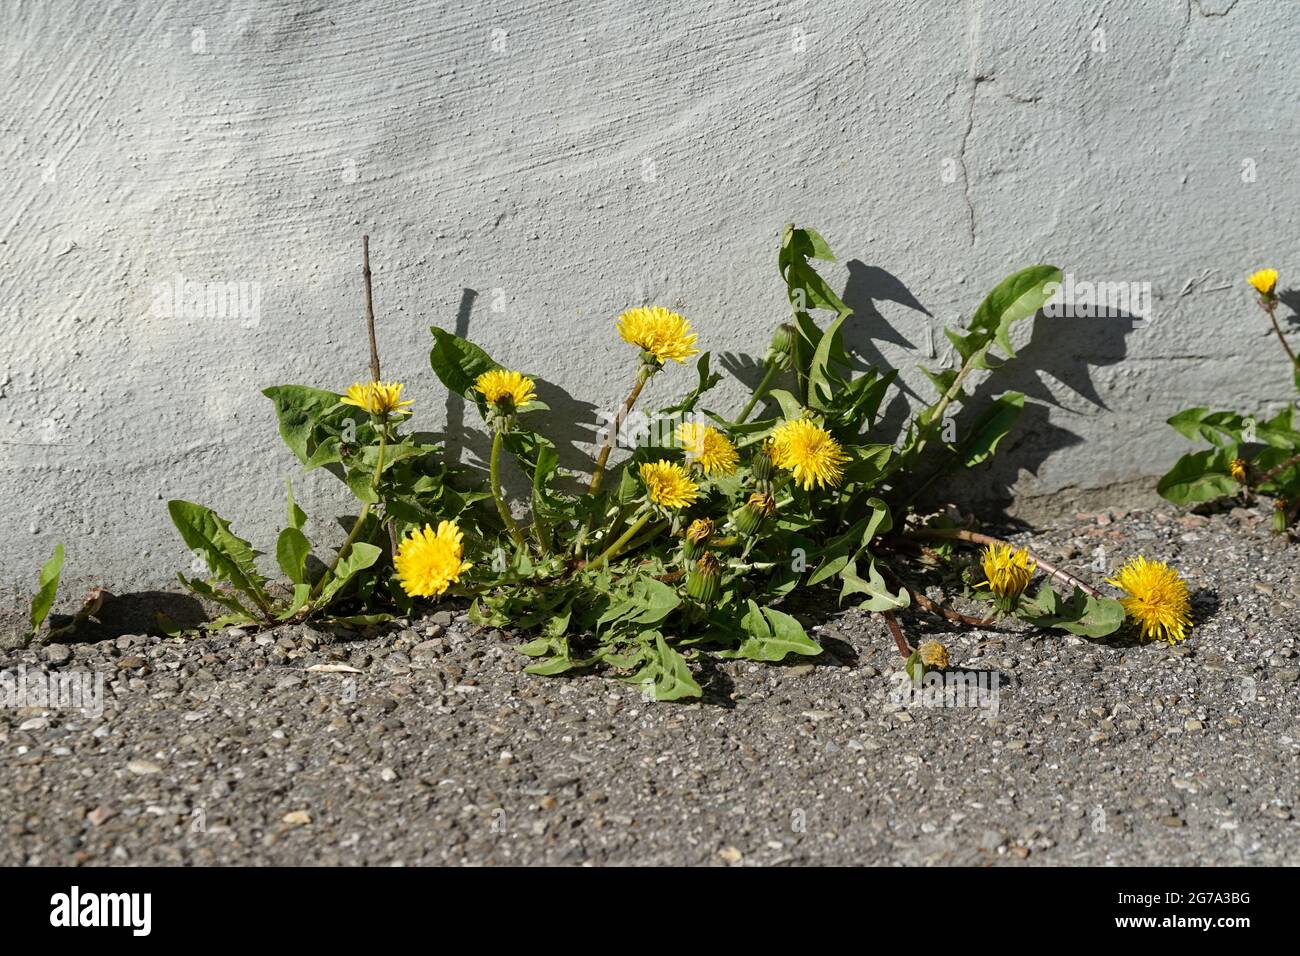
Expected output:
(992, 425)
(771, 636)
(666, 670)
(1081, 614)
(1016, 297)
(822, 381)
(943, 380)
(879, 597)
(229, 557)
(362, 555)
(297, 517)
(706, 381)
(838, 551)
(299, 409)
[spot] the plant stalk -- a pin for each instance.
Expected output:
(897, 631)
(1270, 306)
(923, 602)
(773, 368)
(370, 308)
(1274, 472)
(610, 553)
(494, 476)
(975, 537)
(374, 351)
(642, 376)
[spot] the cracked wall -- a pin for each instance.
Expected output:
(565, 160)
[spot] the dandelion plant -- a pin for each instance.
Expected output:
(690, 541)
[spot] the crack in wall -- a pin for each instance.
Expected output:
(975, 10)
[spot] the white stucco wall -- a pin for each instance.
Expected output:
(565, 160)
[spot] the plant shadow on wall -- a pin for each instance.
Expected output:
(1066, 350)
(1062, 348)
(698, 544)
(573, 426)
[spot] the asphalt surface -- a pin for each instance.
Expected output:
(427, 744)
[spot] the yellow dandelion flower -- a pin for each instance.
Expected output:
(933, 654)
(502, 385)
(429, 561)
(665, 335)
(378, 398)
(669, 484)
(1238, 469)
(708, 448)
(1008, 570)
(808, 451)
(1264, 281)
(1157, 599)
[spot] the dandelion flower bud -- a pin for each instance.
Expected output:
(781, 349)
(704, 579)
(1280, 506)
(750, 516)
(761, 465)
(1238, 469)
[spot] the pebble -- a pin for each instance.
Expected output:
(58, 653)
(143, 767)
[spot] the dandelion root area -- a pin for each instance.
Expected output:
(1096, 753)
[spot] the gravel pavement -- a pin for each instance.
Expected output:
(427, 744)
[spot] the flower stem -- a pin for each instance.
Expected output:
(974, 537)
(1274, 472)
(649, 536)
(923, 602)
(772, 369)
(897, 632)
(642, 376)
(1270, 306)
(610, 553)
(494, 474)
